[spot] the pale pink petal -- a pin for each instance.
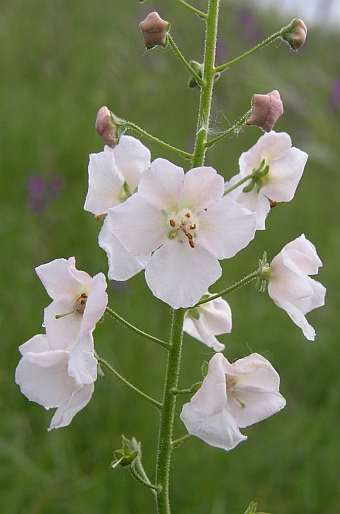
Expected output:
(43, 377)
(211, 398)
(70, 407)
(226, 228)
(105, 183)
(63, 331)
(297, 316)
(180, 275)
(284, 175)
(37, 344)
(132, 158)
(219, 430)
(214, 319)
(301, 254)
(82, 364)
(60, 277)
(162, 184)
(122, 264)
(258, 404)
(95, 305)
(139, 225)
(202, 188)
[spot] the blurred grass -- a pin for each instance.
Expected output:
(60, 61)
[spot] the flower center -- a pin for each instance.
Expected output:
(183, 222)
(80, 303)
(230, 383)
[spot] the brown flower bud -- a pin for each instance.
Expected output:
(266, 110)
(154, 30)
(296, 34)
(105, 128)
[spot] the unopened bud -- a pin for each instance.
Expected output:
(296, 34)
(266, 110)
(105, 128)
(154, 30)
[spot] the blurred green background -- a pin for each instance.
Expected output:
(60, 61)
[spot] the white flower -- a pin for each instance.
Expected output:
(57, 378)
(279, 166)
(232, 396)
(207, 321)
(113, 174)
(114, 170)
(187, 224)
(79, 301)
(290, 286)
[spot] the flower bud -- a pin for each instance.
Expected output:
(266, 110)
(296, 34)
(105, 128)
(154, 30)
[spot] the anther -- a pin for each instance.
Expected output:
(172, 223)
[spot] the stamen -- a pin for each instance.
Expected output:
(80, 303)
(243, 405)
(57, 316)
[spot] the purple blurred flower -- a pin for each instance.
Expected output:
(42, 191)
(247, 23)
(335, 95)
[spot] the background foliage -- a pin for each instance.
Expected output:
(60, 61)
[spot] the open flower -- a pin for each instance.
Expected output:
(290, 286)
(113, 176)
(232, 396)
(207, 321)
(79, 301)
(57, 378)
(277, 167)
(187, 224)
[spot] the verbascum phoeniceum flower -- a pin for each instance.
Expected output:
(209, 320)
(232, 396)
(291, 287)
(114, 175)
(277, 168)
(79, 301)
(186, 224)
(55, 377)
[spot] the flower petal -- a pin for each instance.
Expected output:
(82, 365)
(95, 305)
(162, 184)
(139, 225)
(70, 407)
(132, 158)
(105, 183)
(226, 228)
(203, 187)
(43, 378)
(122, 264)
(180, 275)
(219, 430)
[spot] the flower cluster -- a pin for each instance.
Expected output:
(58, 369)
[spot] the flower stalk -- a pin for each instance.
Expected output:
(168, 413)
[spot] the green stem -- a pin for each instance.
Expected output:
(142, 480)
(168, 413)
(243, 282)
(115, 373)
(207, 85)
(180, 440)
(183, 60)
(119, 318)
(231, 130)
(269, 39)
(136, 128)
(196, 11)
(239, 183)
